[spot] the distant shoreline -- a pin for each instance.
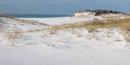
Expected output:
(36, 15)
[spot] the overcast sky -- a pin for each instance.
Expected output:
(60, 6)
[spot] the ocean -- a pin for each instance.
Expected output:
(36, 15)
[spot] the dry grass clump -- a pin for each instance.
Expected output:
(2, 15)
(52, 31)
(0, 23)
(95, 23)
(27, 21)
(123, 23)
(17, 32)
(11, 35)
(36, 30)
(127, 38)
(65, 26)
(30, 21)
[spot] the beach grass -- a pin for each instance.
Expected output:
(2, 15)
(21, 20)
(123, 24)
(95, 24)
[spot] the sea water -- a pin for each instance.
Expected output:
(36, 15)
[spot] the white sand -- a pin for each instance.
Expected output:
(62, 48)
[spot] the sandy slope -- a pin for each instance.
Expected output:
(70, 47)
(61, 20)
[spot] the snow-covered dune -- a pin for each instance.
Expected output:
(33, 45)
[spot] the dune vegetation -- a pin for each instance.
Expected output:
(95, 23)
(122, 23)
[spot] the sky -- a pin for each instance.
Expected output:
(60, 6)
